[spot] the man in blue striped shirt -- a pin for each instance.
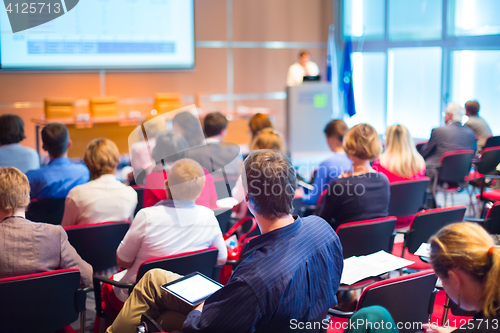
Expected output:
(292, 271)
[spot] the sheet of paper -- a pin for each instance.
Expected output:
(423, 250)
(359, 268)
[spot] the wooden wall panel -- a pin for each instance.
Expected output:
(210, 20)
(282, 20)
(25, 86)
(209, 77)
(265, 70)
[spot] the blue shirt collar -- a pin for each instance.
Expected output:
(272, 236)
(60, 161)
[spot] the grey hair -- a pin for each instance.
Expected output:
(456, 110)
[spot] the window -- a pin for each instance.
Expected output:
(473, 17)
(415, 19)
(476, 75)
(433, 51)
(364, 18)
(369, 89)
(414, 89)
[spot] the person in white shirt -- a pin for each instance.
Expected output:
(104, 198)
(172, 226)
(304, 67)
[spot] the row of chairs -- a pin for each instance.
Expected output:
(357, 239)
(56, 300)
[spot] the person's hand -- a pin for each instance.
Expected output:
(345, 174)
(432, 328)
(199, 307)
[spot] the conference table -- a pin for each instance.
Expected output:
(119, 129)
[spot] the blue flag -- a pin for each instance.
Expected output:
(347, 87)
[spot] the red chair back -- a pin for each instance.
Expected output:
(96, 243)
(492, 221)
(407, 197)
(428, 222)
(492, 141)
(320, 199)
(455, 166)
(367, 237)
(46, 210)
(43, 302)
(490, 158)
(203, 261)
(406, 298)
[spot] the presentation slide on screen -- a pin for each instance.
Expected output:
(101, 34)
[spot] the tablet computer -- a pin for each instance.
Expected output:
(193, 288)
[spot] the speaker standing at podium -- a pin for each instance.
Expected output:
(304, 67)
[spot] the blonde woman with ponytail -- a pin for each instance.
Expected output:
(465, 258)
(400, 161)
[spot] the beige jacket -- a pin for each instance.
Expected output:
(27, 247)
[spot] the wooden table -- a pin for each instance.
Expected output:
(82, 132)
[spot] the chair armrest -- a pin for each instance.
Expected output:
(391, 241)
(87, 289)
(340, 314)
(81, 299)
(112, 282)
(471, 219)
(97, 291)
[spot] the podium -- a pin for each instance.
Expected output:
(309, 108)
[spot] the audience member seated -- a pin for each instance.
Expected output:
(217, 154)
(104, 198)
(11, 152)
(400, 161)
(477, 124)
(258, 122)
(170, 147)
(363, 193)
(267, 138)
(172, 226)
(466, 260)
(293, 270)
(452, 136)
(189, 127)
(28, 247)
(57, 178)
(332, 167)
(140, 152)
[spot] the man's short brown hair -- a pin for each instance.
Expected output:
(472, 107)
(362, 141)
(14, 189)
(270, 181)
(214, 123)
(336, 128)
(55, 139)
(101, 157)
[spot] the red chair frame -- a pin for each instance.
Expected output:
(42, 302)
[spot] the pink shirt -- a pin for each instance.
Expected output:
(392, 177)
(154, 190)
